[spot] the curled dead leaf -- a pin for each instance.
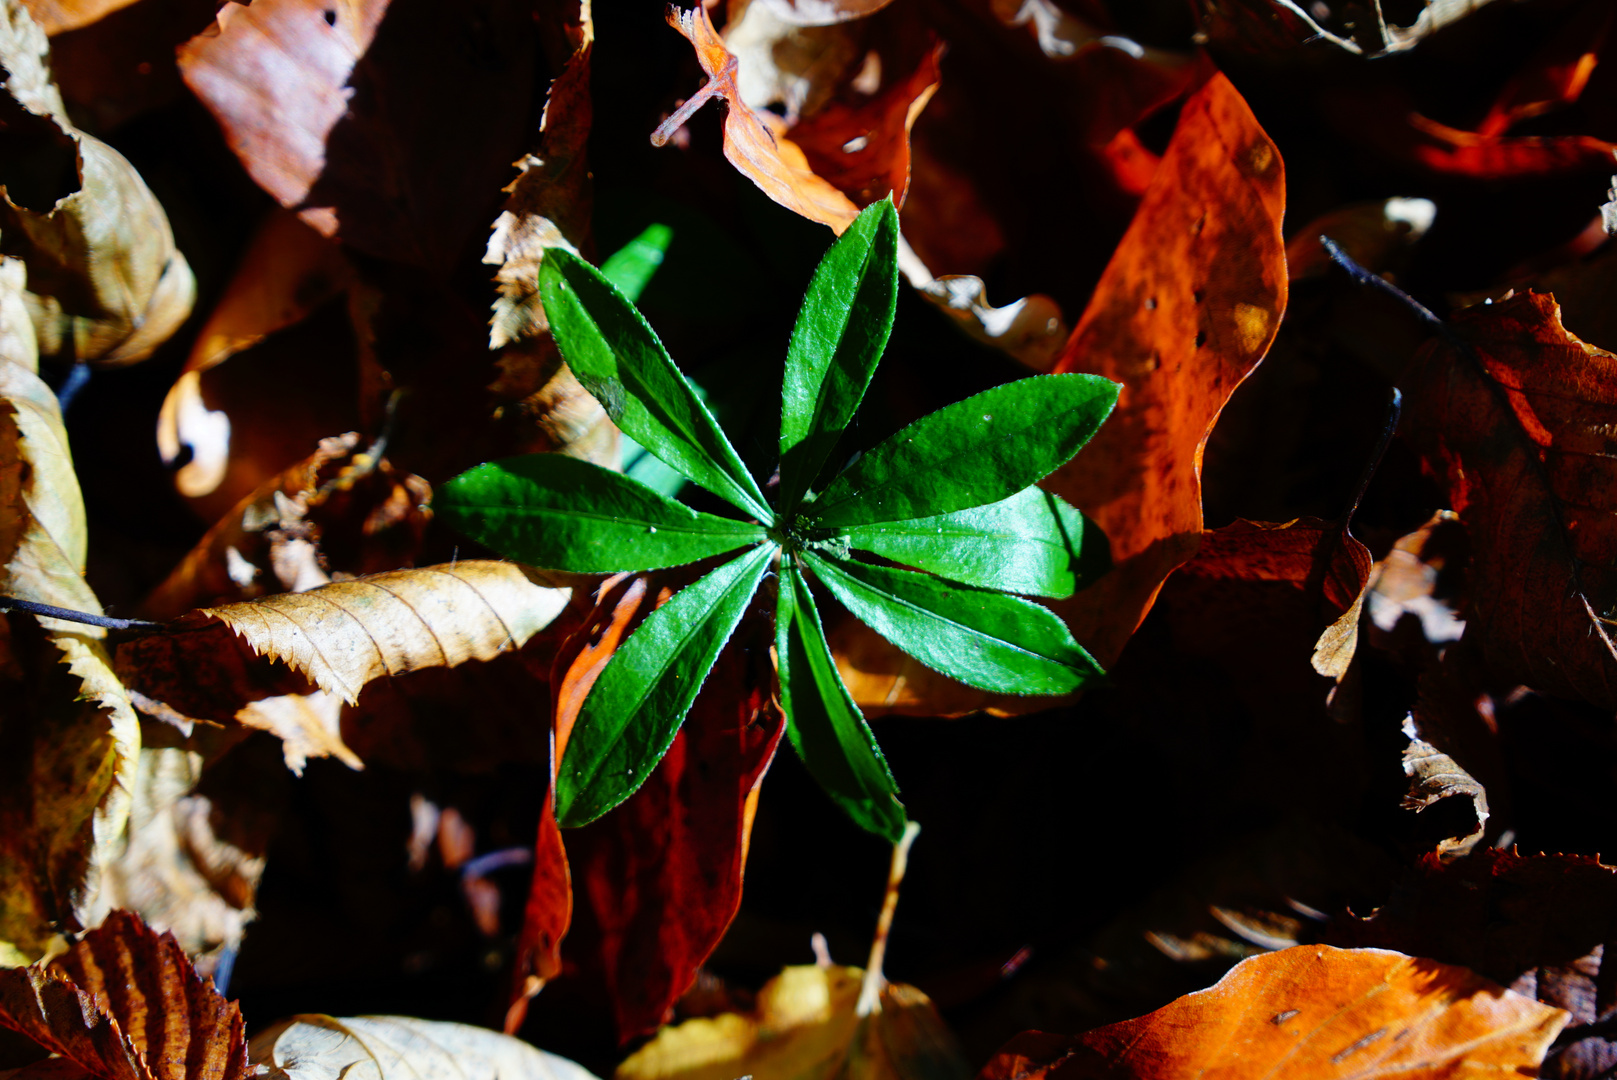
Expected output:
(1434, 776)
(754, 142)
(106, 282)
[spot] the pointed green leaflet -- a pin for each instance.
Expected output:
(563, 514)
(636, 706)
(840, 334)
(619, 360)
(974, 452)
(1033, 543)
(825, 726)
(985, 639)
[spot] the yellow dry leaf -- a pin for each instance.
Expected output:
(345, 634)
(807, 1026)
(314, 1047)
(105, 280)
(64, 790)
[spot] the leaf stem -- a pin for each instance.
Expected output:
(875, 981)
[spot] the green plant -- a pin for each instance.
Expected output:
(950, 494)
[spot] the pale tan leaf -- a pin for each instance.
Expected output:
(807, 1027)
(314, 1047)
(64, 801)
(105, 280)
(173, 869)
(308, 725)
(1434, 776)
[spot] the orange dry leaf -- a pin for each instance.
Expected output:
(1310, 1011)
(1512, 416)
(1185, 311)
(754, 142)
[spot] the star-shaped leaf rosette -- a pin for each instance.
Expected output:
(947, 505)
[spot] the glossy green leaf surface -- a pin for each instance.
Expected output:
(632, 266)
(563, 514)
(841, 331)
(1032, 542)
(977, 451)
(825, 726)
(636, 706)
(619, 360)
(982, 638)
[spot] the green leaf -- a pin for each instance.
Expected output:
(635, 708)
(563, 514)
(618, 359)
(632, 266)
(840, 334)
(985, 639)
(1032, 542)
(824, 724)
(974, 452)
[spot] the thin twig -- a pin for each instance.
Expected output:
(50, 611)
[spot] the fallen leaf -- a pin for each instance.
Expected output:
(1485, 911)
(806, 1027)
(125, 1004)
(347, 113)
(860, 140)
(1272, 29)
(823, 12)
(1185, 311)
(1507, 416)
(64, 789)
(1434, 776)
(106, 282)
(363, 515)
(1315, 1011)
(393, 1047)
(662, 875)
(174, 870)
(59, 16)
(288, 270)
(1421, 578)
(340, 636)
(754, 142)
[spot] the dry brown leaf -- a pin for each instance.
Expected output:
(1310, 1011)
(105, 281)
(351, 124)
(288, 270)
(125, 1004)
(1434, 776)
(336, 639)
(1510, 417)
(807, 1027)
(64, 799)
(362, 514)
(173, 869)
(754, 142)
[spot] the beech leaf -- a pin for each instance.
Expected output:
(311, 1047)
(125, 1004)
(1310, 1011)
